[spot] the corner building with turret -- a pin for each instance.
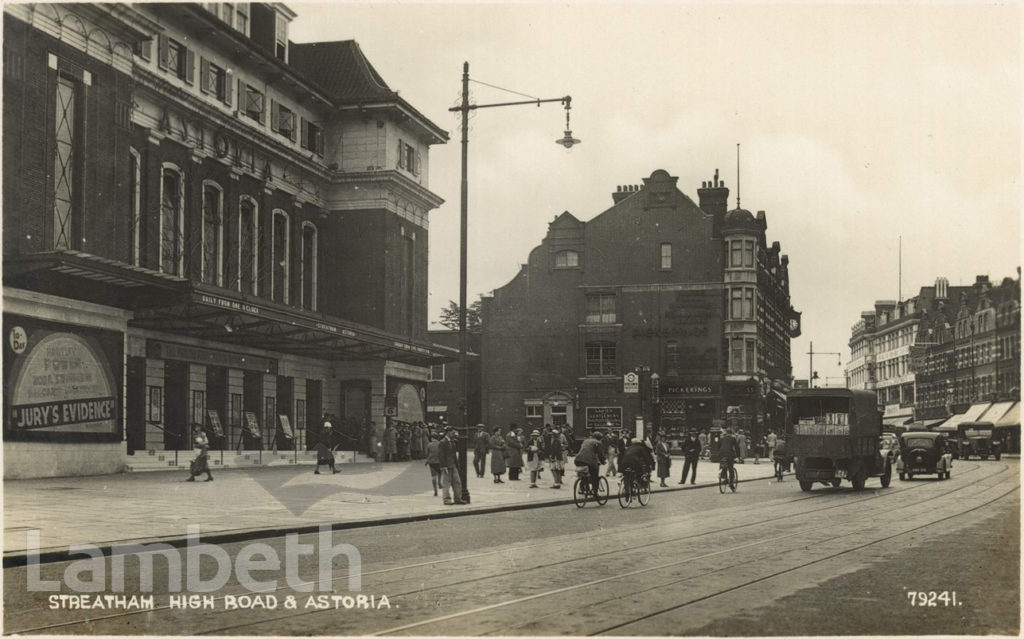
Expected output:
(688, 300)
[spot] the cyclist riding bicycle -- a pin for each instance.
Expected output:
(637, 461)
(780, 457)
(728, 451)
(591, 457)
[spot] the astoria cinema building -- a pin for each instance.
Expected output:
(205, 226)
(659, 309)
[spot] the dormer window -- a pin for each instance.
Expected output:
(281, 37)
(567, 259)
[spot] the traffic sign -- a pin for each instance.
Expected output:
(630, 383)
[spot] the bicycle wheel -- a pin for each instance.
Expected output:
(602, 491)
(722, 481)
(733, 479)
(643, 493)
(579, 496)
(625, 495)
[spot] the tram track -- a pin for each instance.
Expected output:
(526, 549)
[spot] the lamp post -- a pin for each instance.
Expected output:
(567, 141)
(812, 375)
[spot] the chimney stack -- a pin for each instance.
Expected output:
(714, 197)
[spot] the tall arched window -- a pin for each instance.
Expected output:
(309, 266)
(280, 260)
(172, 220)
(213, 235)
(248, 246)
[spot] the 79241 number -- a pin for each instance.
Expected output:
(933, 599)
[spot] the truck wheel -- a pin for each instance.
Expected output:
(836, 483)
(806, 486)
(910, 475)
(887, 475)
(998, 455)
(858, 481)
(903, 476)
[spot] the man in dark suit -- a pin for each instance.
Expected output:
(691, 453)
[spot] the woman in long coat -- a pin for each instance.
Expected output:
(497, 456)
(741, 439)
(514, 451)
(390, 443)
(664, 460)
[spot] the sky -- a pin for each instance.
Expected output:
(859, 124)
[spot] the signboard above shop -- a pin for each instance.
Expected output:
(604, 417)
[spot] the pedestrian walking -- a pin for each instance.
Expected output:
(741, 441)
(201, 464)
(403, 442)
(497, 444)
(611, 451)
(434, 461)
(390, 443)
(556, 456)
(703, 439)
(770, 440)
(514, 452)
(480, 445)
(451, 482)
(664, 460)
(692, 450)
(324, 454)
(415, 442)
(534, 449)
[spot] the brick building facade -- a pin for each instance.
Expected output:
(691, 299)
(204, 223)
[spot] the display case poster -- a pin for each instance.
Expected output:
(252, 425)
(61, 382)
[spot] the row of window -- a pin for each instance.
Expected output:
(215, 80)
(235, 14)
(218, 266)
(741, 253)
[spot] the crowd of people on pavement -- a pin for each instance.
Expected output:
(511, 450)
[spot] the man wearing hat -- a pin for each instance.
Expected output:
(534, 448)
(691, 454)
(481, 443)
(450, 479)
(556, 455)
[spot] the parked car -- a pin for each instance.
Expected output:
(979, 439)
(924, 453)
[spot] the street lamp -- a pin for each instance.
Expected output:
(568, 142)
(812, 374)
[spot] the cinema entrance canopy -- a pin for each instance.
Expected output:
(264, 325)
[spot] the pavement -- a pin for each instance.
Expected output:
(242, 504)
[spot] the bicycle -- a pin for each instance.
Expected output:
(780, 469)
(638, 488)
(582, 490)
(726, 477)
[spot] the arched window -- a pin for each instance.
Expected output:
(248, 246)
(172, 220)
(280, 258)
(309, 266)
(212, 267)
(135, 204)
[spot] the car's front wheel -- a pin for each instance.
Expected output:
(887, 474)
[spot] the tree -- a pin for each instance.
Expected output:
(450, 316)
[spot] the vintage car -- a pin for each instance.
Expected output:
(889, 447)
(924, 453)
(979, 439)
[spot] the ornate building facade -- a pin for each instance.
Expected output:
(205, 225)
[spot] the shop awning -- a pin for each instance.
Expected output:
(244, 321)
(996, 412)
(1011, 417)
(970, 415)
(899, 420)
(926, 423)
